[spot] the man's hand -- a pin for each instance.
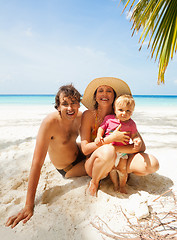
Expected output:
(25, 214)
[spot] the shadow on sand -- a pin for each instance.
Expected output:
(52, 194)
(154, 184)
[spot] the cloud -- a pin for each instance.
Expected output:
(5, 77)
(28, 32)
(128, 14)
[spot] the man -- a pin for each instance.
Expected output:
(57, 136)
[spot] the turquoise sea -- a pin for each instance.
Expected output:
(141, 100)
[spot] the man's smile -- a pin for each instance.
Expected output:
(71, 113)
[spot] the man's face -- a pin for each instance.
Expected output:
(69, 107)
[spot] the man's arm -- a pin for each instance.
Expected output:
(42, 143)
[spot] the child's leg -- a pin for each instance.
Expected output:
(122, 171)
(114, 178)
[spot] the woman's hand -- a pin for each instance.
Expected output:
(117, 136)
(25, 214)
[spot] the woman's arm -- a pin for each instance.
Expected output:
(130, 148)
(117, 136)
(86, 127)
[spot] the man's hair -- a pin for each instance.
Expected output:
(125, 99)
(68, 91)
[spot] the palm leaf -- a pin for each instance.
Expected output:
(157, 19)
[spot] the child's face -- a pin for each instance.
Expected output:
(123, 112)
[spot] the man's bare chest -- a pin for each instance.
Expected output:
(63, 136)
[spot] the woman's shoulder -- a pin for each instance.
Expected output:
(89, 116)
(88, 113)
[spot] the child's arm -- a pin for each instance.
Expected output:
(99, 138)
(137, 142)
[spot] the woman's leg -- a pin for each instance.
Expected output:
(99, 165)
(142, 164)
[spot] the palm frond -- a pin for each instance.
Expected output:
(157, 19)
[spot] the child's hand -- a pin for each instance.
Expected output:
(137, 144)
(99, 141)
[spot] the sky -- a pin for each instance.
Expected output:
(47, 43)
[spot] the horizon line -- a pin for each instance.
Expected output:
(48, 94)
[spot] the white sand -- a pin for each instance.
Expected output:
(63, 208)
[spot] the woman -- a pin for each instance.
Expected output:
(98, 98)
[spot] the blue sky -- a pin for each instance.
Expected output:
(47, 43)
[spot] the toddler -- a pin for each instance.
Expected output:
(121, 120)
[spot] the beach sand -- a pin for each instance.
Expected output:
(63, 208)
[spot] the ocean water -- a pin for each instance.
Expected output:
(156, 100)
(27, 99)
(155, 116)
(141, 100)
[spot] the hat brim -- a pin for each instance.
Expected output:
(119, 86)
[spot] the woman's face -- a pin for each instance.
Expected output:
(104, 95)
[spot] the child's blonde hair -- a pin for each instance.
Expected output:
(126, 100)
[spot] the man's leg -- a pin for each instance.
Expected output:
(77, 171)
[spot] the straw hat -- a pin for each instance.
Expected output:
(119, 86)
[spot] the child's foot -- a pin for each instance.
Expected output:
(116, 188)
(123, 190)
(92, 188)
